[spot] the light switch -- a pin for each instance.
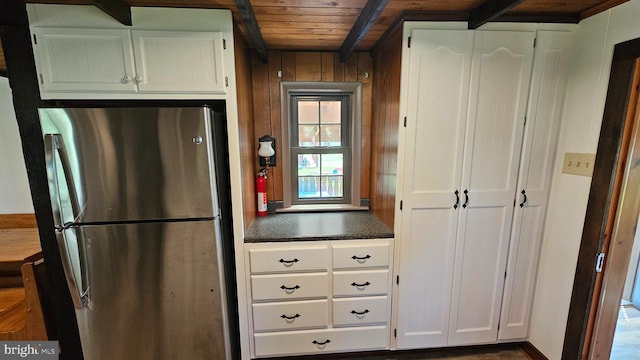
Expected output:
(578, 163)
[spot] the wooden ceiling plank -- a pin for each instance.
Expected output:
(117, 9)
(250, 22)
(490, 10)
(602, 6)
(366, 19)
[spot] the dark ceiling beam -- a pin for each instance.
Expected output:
(117, 9)
(249, 19)
(365, 20)
(490, 10)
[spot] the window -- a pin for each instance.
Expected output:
(320, 149)
(321, 140)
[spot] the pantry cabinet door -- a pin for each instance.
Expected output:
(86, 60)
(500, 79)
(538, 151)
(179, 61)
(440, 63)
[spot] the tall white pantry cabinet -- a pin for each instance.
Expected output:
(481, 115)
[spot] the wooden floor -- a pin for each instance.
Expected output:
(471, 354)
(626, 342)
(500, 352)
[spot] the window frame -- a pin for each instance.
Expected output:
(345, 149)
(353, 92)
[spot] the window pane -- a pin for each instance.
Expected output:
(308, 135)
(308, 112)
(332, 186)
(308, 164)
(330, 112)
(330, 135)
(309, 187)
(332, 164)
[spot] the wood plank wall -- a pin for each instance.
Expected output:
(18, 221)
(306, 66)
(3, 64)
(386, 111)
(246, 127)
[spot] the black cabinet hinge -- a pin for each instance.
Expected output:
(405, 121)
(397, 279)
(395, 333)
(409, 42)
(400, 204)
(224, 44)
(535, 41)
(35, 40)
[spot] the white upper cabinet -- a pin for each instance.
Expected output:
(99, 60)
(179, 61)
(544, 111)
(86, 63)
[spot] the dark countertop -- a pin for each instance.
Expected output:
(317, 226)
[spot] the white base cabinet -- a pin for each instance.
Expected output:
(481, 119)
(319, 296)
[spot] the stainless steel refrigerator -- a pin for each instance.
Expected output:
(134, 194)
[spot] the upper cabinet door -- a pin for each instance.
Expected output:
(76, 60)
(500, 79)
(179, 62)
(440, 64)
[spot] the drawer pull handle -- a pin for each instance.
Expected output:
(358, 258)
(320, 343)
(290, 288)
(356, 313)
(290, 317)
(288, 262)
(360, 285)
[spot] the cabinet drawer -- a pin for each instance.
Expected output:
(321, 341)
(360, 311)
(289, 286)
(364, 283)
(354, 256)
(290, 315)
(289, 259)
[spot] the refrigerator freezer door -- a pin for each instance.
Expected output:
(132, 164)
(154, 292)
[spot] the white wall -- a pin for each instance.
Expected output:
(582, 117)
(15, 197)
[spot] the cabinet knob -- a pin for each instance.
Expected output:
(138, 79)
(127, 78)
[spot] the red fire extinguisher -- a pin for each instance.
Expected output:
(261, 189)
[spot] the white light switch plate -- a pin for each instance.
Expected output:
(578, 163)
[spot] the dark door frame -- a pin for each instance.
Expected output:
(600, 196)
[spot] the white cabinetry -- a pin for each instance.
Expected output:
(72, 62)
(319, 297)
(179, 61)
(97, 60)
(538, 151)
(467, 97)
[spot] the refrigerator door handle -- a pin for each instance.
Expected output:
(53, 144)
